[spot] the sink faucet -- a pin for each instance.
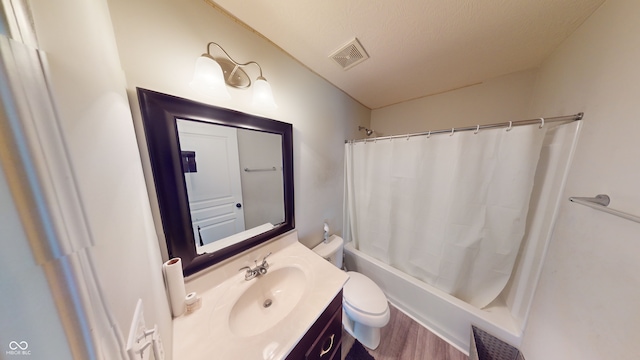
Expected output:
(258, 270)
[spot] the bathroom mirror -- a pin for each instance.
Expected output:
(223, 178)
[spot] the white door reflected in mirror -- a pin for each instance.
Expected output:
(228, 204)
(213, 184)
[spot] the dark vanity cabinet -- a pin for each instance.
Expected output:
(324, 338)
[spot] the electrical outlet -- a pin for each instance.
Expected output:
(139, 343)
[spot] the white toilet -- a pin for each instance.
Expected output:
(364, 307)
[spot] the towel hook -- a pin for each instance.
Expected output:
(452, 130)
(510, 125)
(541, 123)
(477, 129)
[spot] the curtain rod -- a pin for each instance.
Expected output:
(540, 121)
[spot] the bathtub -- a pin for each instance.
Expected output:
(506, 317)
(441, 313)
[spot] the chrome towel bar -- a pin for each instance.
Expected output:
(601, 202)
(273, 168)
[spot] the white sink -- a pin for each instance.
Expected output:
(268, 299)
(234, 320)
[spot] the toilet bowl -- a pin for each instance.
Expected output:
(364, 306)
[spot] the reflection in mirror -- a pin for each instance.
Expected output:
(234, 182)
(223, 179)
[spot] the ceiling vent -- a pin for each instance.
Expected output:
(350, 55)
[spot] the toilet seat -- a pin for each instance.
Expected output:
(363, 294)
(364, 301)
(374, 321)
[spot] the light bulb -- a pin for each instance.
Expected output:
(262, 95)
(208, 78)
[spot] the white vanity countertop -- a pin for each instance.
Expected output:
(206, 333)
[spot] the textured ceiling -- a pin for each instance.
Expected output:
(416, 47)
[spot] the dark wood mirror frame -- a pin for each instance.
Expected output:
(159, 114)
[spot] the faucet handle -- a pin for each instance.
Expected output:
(265, 264)
(250, 274)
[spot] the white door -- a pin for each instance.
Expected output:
(214, 188)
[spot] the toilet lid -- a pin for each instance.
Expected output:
(363, 294)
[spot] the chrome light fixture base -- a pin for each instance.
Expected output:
(212, 74)
(234, 76)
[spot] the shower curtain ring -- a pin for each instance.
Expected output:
(452, 131)
(541, 123)
(429, 134)
(510, 125)
(477, 129)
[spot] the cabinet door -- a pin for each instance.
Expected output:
(319, 335)
(329, 341)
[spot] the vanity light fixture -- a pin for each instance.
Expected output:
(211, 74)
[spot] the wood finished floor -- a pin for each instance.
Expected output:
(404, 339)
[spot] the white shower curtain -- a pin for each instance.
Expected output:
(449, 210)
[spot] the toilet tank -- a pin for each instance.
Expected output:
(332, 250)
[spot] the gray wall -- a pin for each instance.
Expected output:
(262, 191)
